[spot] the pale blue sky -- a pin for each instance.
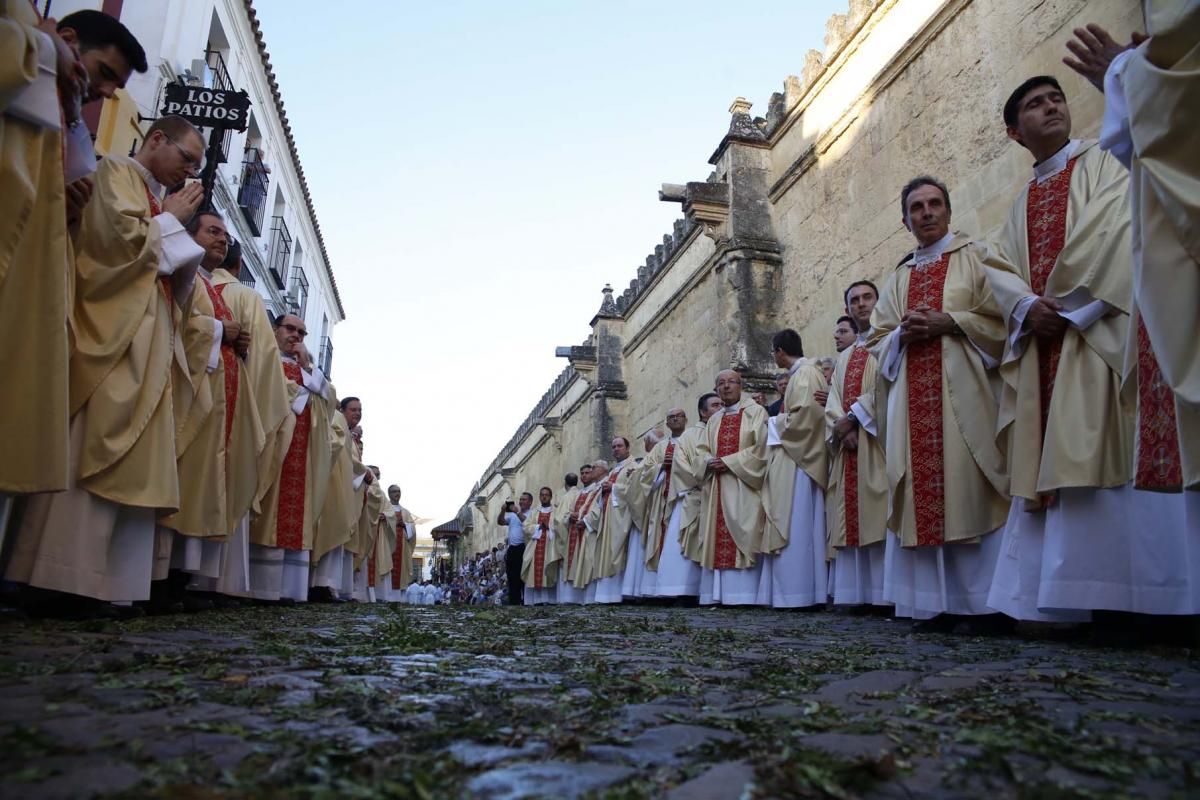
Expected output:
(482, 169)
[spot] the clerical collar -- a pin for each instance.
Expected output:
(799, 362)
(621, 463)
(156, 188)
(931, 253)
(735, 404)
(1056, 163)
(204, 272)
(546, 508)
(862, 337)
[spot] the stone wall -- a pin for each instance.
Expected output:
(800, 203)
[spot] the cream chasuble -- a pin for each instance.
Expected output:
(406, 536)
(655, 485)
(543, 549)
(572, 539)
(363, 545)
(339, 516)
(380, 569)
(260, 371)
(583, 568)
(1061, 415)
(611, 518)
(801, 427)
(946, 476)
(293, 504)
(732, 518)
(219, 449)
(1152, 95)
(857, 497)
(126, 322)
(35, 269)
(687, 478)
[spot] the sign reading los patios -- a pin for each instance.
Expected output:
(207, 108)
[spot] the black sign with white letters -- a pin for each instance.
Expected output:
(207, 108)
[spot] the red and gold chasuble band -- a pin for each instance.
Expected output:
(398, 553)
(851, 390)
(1158, 465)
(289, 529)
(539, 550)
(668, 456)
(729, 437)
(576, 535)
(925, 419)
(228, 357)
(1046, 223)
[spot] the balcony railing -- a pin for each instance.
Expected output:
(279, 251)
(299, 293)
(246, 276)
(252, 196)
(325, 357)
(219, 79)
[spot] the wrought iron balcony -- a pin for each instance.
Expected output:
(325, 357)
(219, 79)
(247, 276)
(252, 196)
(299, 294)
(279, 250)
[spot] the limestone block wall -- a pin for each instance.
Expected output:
(800, 203)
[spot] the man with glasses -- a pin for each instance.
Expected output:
(666, 488)
(135, 267)
(282, 535)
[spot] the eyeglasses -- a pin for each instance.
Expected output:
(293, 329)
(194, 164)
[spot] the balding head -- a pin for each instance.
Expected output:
(676, 420)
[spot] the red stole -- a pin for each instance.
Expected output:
(539, 550)
(228, 357)
(289, 527)
(925, 418)
(669, 454)
(576, 536)
(1158, 466)
(851, 390)
(1046, 224)
(398, 553)
(729, 439)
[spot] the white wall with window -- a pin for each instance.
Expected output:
(260, 188)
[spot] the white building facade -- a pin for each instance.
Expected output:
(260, 187)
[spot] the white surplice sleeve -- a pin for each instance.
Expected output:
(214, 355)
(179, 250)
(1115, 136)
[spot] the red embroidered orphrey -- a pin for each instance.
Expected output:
(576, 535)
(729, 437)
(851, 390)
(539, 551)
(1046, 226)
(398, 553)
(668, 456)
(928, 473)
(1158, 462)
(289, 525)
(228, 357)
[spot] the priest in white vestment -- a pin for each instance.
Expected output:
(856, 500)
(638, 581)
(543, 552)
(667, 487)
(135, 269)
(938, 335)
(794, 541)
(734, 454)
(611, 517)
(567, 519)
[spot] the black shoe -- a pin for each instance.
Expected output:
(942, 623)
(194, 602)
(321, 594)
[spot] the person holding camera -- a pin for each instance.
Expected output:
(513, 517)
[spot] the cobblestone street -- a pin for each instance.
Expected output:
(372, 701)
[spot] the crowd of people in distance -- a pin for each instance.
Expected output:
(1010, 432)
(168, 445)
